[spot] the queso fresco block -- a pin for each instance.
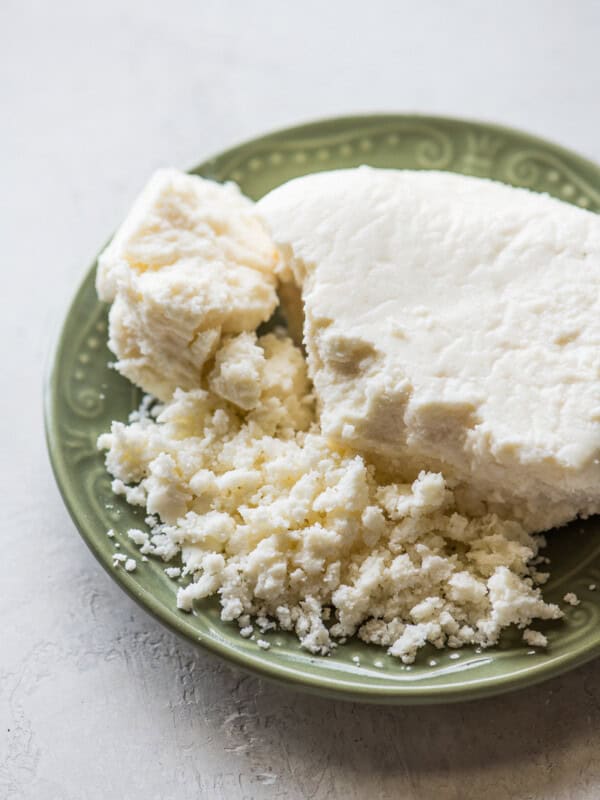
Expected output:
(453, 324)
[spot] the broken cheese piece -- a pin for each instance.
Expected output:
(191, 262)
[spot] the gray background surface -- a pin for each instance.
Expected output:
(96, 699)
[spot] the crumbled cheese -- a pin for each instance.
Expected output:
(264, 624)
(534, 638)
(285, 528)
(173, 572)
(572, 599)
(130, 564)
(237, 373)
(263, 644)
(141, 538)
(135, 495)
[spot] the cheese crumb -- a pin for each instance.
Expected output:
(534, 638)
(130, 564)
(572, 599)
(173, 572)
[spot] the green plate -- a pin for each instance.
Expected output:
(84, 395)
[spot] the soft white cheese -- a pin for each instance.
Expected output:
(534, 638)
(238, 371)
(282, 525)
(282, 520)
(191, 261)
(453, 324)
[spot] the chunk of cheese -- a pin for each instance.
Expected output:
(453, 324)
(191, 261)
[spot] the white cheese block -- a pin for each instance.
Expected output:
(453, 323)
(191, 261)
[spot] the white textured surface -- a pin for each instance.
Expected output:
(451, 264)
(96, 699)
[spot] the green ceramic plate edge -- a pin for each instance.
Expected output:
(411, 141)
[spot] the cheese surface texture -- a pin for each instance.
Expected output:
(453, 324)
(191, 262)
(287, 530)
